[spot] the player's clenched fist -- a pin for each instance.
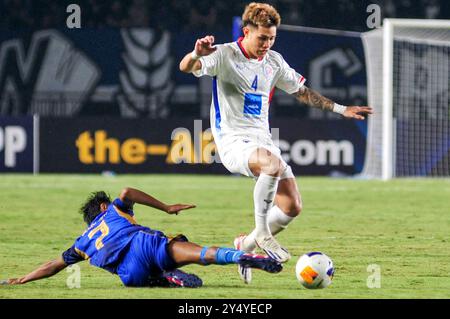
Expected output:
(204, 46)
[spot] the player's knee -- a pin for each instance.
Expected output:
(272, 167)
(210, 255)
(263, 161)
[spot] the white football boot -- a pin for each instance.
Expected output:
(273, 249)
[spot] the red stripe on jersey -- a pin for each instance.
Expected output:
(271, 94)
(243, 50)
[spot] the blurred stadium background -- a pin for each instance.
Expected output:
(122, 64)
(109, 98)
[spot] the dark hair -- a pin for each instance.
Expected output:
(91, 208)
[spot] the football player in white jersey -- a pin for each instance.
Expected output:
(245, 73)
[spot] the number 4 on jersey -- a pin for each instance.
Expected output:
(255, 83)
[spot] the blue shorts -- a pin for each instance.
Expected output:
(147, 256)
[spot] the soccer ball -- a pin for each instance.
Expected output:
(314, 270)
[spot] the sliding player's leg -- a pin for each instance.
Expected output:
(153, 260)
(184, 253)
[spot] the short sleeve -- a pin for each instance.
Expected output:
(70, 256)
(123, 206)
(210, 63)
(289, 80)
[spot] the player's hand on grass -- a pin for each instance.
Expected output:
(204, 46)
(175, 209)
(357, 112)
(12, 281)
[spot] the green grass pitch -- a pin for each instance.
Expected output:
(403, 226)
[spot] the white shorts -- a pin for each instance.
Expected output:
(235, 151)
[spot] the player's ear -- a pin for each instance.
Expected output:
(245, 30)
(103, 207)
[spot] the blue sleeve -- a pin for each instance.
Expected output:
(70, 256)
(123, 206)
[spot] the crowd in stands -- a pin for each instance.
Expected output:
(197, 15)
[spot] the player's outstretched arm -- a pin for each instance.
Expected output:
(203, 47)
(314, 99)
(46, 270)
(129, 196)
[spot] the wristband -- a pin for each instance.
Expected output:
(195, 56)
(337, 108)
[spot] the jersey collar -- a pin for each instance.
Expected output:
(239, 43)
(98, 217)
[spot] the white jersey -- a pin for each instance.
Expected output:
(243, 88)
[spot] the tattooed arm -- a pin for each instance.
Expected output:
(314, 99)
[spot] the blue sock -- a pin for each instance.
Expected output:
(202, 255)
(228, 256)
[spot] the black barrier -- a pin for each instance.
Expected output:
(126, 146)
(16, 144)
(187, 146)
(321, 147)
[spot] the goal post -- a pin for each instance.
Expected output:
(408, 77)
(388, 63)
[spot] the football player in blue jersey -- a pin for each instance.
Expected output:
(140, 256)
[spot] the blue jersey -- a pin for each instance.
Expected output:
(107, 238)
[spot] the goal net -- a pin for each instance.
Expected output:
(408, 72)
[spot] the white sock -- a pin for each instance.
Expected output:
(263, 196)
(277, 220)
